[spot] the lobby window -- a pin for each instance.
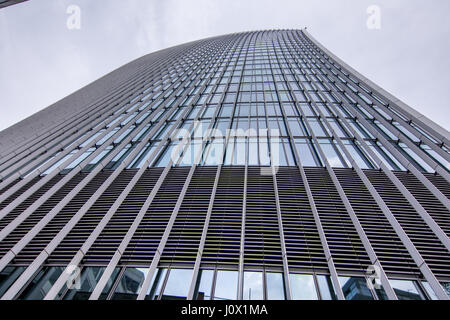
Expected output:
(326, 288)
(156, 284)
(41, 283)
(177, 285)
(275, 286)
(8, 276)
(204, 284)
(253, 286)
(88, 280)
(303, 287)
(226, 285)
(355, 288)
(407, 289)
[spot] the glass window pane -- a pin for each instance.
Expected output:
(429, 290)
(446, 287)
(157, 282)
(253, 286)
(275, 286)
(226, 285)
(177, 286)
(331, 154)
(109, 284)
(130, 284)
(204, 285)
(326, 288)
(88, 280)
(304, 152)
(355, 288)
(8, 276)
(406, 290)
(41, 284)
(302, 286)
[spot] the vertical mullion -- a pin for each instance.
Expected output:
(317, 219)
(418, 259)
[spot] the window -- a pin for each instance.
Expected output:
(204, 285)
(331, 153)
(156, 284)
(355, 288)
(275, 286)
(8, 276)
(356, 153)
(226, 285)
(316, 127)
(253, 286)
(177, 286)
(130, 284)
(41, 283)
(406, 290)
(305, 152)
(326, 288)
(429, 290)
(302, 287)
(88, 280)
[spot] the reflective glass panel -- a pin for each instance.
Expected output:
(130, 284)
(177, 286)
(355, 288)
(88, 280)
(406, 290)
(226, 285)
(253, 286)
(326, 288)
(156, 284)
(204, 285)
(41, 284)
(302, 286)
(275, 286)
(8, 276)
(429, 290)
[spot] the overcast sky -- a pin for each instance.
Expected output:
(42, 60)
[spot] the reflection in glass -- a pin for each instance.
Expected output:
(130, 284)
(253, 286)
(226, 285)
(88, 280)
(406, 290)
(204, 285)
(156, 284)
(8, 276)
(275, 286)
(302, 286)
(355, 288)
(446, 287)
(326, 288)
(429, 290)
(41, 284)
(108, 286)
(177, 286)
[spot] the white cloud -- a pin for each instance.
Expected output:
(41, 61)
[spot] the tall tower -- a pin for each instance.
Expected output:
(254, 165)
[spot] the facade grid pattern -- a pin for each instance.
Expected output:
(254, 165)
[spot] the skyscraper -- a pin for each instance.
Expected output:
(254, 165)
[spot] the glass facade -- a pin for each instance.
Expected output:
(250, 166)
